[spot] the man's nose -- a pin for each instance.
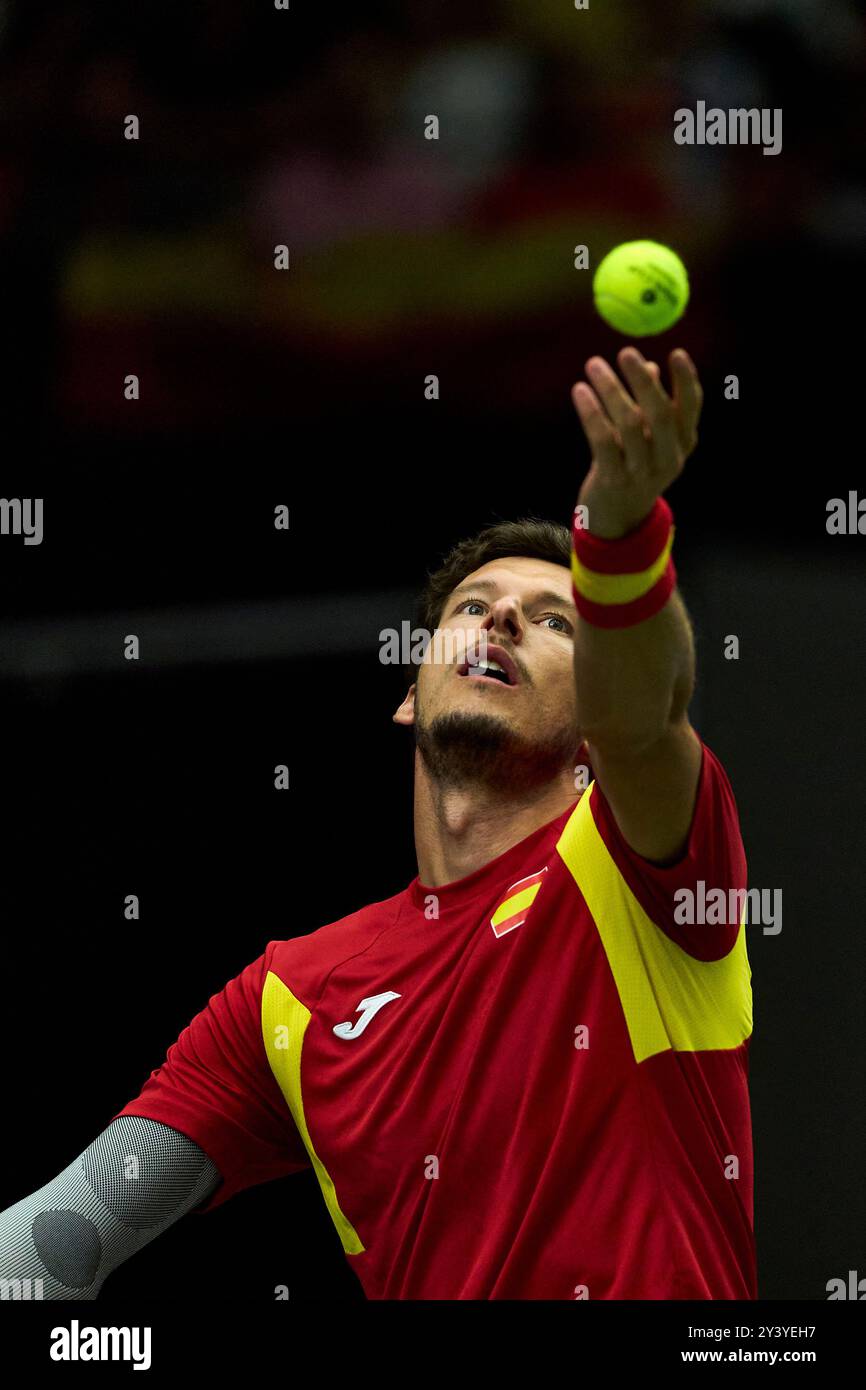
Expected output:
(504, 617)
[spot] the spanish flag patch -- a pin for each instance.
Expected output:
(514, 907)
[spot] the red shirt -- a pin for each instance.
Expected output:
(529, 1083)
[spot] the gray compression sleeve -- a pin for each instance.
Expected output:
(133, 1181)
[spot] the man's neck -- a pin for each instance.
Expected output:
(460, 829)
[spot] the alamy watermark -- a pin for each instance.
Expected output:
(846, 517)
(716, 907)
(25, 1290)
(77, 1343)
(446, 646)
(737, 126)
(22, 516)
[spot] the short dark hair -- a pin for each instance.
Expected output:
(531, 537)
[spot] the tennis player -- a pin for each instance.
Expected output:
(525, 1075)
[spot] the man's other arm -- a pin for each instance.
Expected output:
(134, 1181)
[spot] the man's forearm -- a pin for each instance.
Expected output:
(632, 682)
(634, 659)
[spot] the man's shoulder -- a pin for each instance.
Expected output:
(306, 960)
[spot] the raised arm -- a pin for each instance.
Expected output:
(634, 661)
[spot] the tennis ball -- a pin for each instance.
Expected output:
(641, 287)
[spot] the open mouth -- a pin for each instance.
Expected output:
(496, 666)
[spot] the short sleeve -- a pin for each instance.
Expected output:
(216, 1087)
(714, 859)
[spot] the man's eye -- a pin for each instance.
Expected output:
(469, 602)
(557, 618)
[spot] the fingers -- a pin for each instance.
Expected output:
(623, 411)
(643, 377)
(600, 433)
(657, 407)
(647, 429)
(688, 397)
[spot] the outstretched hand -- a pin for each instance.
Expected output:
(639, 442)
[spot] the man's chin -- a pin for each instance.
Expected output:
(462, 748)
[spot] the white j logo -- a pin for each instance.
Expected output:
(370, 1006)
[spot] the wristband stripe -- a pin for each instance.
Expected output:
(635, 551)
(617, 583)
(611, 615)
(619, 588)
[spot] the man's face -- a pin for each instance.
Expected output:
(514, 732)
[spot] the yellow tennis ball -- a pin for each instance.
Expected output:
(641, 287)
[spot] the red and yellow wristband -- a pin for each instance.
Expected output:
(617, 583)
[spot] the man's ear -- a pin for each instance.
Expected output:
(405, 713)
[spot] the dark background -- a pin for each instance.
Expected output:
(305, 388)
